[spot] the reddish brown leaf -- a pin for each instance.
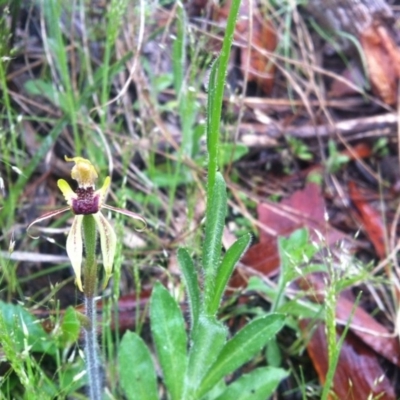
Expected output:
(305, 208)
(263, 257)
(360, 150)
(358, 374)
(370, 218)
(371, 332)
(383, 62)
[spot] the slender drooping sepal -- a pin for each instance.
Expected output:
(44, 217)
(75, 248)
(108, 243)
(129, 214)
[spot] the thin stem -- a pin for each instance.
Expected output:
(91, 351)
(90, 271)
(90, 285)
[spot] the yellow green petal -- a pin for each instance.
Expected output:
(75, 249)
(108, 243)
(66, 190)
(103, 190)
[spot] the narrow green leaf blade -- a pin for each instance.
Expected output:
(208, 339)
(232, 256)
(260, 384)
(217, 82)
(215, 220)
(179, 50)
(168, 330)
(241, 348)
(191, 282)
(212, 145)
(136, 370)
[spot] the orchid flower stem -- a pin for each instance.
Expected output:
(90, 285)
(90, 270)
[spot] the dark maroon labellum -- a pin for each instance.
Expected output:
(86, 203)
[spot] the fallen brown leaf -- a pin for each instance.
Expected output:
(382, 57)
(370, 218)
(358, 374)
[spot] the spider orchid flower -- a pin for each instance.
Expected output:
(87, 201)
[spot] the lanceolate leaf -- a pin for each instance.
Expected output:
(216, 95)
(179, 51)
(136, 369)
(207, 341)
(191, 283)
(241, 348)
(226, 268)
(215, 219)
(210, 106)
(168, 329)
(260, 384)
